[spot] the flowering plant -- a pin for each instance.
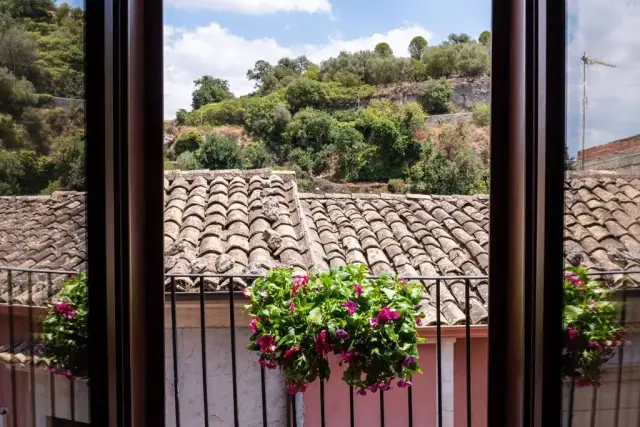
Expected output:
(297, 320)
(592, 331)
(65, 335)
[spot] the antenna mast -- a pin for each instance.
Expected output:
(587, 61)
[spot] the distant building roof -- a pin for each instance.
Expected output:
(249, 221)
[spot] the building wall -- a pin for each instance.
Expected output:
(622, 156)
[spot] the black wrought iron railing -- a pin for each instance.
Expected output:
(25, 292)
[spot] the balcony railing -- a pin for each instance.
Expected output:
(204, 301)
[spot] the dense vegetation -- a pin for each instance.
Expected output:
(323, 120)
(41, 57)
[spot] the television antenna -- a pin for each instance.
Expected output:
(587, 62)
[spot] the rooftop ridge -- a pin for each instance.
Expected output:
(393, 196)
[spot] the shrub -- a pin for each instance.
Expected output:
(23, 172)
(65, 331)
(308, 161)
(441, 60)
(436, 97)
(188, 141)
(169, 165)
(187, 161)
(347, 78)
(220, 153)
(473, 59)
(372, 324)
(350, 150)
(481, 114)
(592, 329)
(257, 155)
(69, 162)
(395, 186)
(350, 115)
(309, 129)
(266, 116)
(305, 93)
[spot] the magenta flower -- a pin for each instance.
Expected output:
(289, 353)
(573, 334)
(322, 346)
(593, 345)
(361, 392)
(246, 293)
(292, 307)
(65, 309)
(384, 386)
(387, 315)
(373, 388)
(351, 307)
(404, 383)
(573, 278)
(300, 281)
(373, 322)
(342, 334)
(410, 360)
(254, 324)
(294, 387)
(358, 289)
(404, 280)
(267, 344)
(349, 356)
(268, 364)
(419, 321)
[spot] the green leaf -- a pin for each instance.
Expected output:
(315, 316)
(571, 313)
(390, 293)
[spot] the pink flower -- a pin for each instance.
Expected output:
(361, 392)
(373, 322)
(349, 356)
(300, 281)
(289, 353)
(419, 321)
(269, 364)
(410, 360)
(384, 386)
(246, 293)
(351, 307)
(358, 289)
(373, 388)
(573, 278)
(593, 345)
(254, 324)
(404, 383)
(296, 387)
(583, 382)
(65, 309)
(387, 315)
(267, 344)
(404, 280)
(342, 334)
(592, 305)
(322, 347)
(573, 334)
(292, 307)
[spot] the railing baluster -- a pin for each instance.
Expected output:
(352, 415)
(572, 390)
(623, 322)
(295, 412)
(12, 349)
(381, 408)
(203, 343)
(438, 354)
(467, 334)
(322, 416)
(174, 334)
(52, 394)
(594, 405)
(232, 326)
(72, 398)
(410, 399)
(32, 378)
(264, 397)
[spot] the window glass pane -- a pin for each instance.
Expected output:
(602, 208)
(314, 135)
(43, 347)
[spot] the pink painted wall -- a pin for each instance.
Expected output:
(479, 358)
(367, 408)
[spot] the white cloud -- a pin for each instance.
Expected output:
(606, 31)
(215, 51)
(255, 6)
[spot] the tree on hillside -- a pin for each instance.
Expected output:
(38, 10)
(209, 90)
(417, 45)
(459, 38)
(220, 153)
(383, 49)
(260, 71)
(17, 49)
(485, 38)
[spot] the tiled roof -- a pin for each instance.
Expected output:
(249, 221)
(21, 355)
